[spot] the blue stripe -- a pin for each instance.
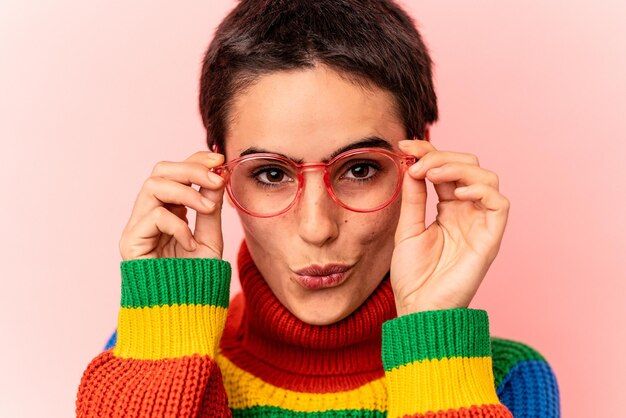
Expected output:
(530, 390)
(112, 341)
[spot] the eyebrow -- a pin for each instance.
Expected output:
(367, 142)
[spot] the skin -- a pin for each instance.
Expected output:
(312, 114)
(308, 114)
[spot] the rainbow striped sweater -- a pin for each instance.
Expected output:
(184, 349)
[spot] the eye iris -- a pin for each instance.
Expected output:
(275, 175)
(360, 171)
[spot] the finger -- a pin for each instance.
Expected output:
(416, 147)
(210, 159)
(187, 173)
(412, 210)
(191, 170)
(428, 158)
(434, 159)
(448, 177)
(194, 170)
(489, 199)
(444, 190)
(463, 175)
(208, 230)
(160, 221)
(158, 191)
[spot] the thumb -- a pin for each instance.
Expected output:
(208, 229)
(412, 220)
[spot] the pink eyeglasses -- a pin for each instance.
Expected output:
(361, 180)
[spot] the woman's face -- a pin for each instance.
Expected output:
(307, 115)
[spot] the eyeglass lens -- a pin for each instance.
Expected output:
(362, 181)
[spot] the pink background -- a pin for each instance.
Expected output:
(93, 94)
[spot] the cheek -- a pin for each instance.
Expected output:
(258, 229)
(375, 228)
(267, 236)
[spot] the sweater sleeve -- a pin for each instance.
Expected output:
(525, 381)
(438, 364)
(172, 316)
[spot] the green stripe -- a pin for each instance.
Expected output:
(273, 411)
(508, 353)
(151, 282)
(436, 334)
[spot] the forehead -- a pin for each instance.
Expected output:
(309, 113)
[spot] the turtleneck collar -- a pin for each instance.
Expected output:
(264, 338)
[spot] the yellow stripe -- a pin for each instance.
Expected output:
(169, 331)
(433, 385)
(246, 390)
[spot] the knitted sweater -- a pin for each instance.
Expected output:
(184, 349)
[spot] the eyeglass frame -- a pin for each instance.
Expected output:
(402, 162)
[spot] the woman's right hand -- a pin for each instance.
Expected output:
(158, 226)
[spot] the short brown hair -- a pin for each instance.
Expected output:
(366, 41)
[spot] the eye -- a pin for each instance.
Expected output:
(271, 175)
(361, 171)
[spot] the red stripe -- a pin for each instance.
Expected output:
(112, 386)
(484, 411)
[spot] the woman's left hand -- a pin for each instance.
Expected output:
(442, 266)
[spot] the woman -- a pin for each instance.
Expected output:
(318, 114)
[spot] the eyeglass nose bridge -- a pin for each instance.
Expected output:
(321, 166)
(313, 166)
(324, 167)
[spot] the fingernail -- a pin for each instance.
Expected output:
(405, 142)
(193, 244)
(214, 178)
(206, 202)
(435, 170)
(462, 190)
(214, 156)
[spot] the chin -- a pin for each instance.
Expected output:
(326, 306)
(322, 312)
(315, 319)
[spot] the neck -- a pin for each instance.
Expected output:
(266, 339)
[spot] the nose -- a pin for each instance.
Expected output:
(316, 212)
